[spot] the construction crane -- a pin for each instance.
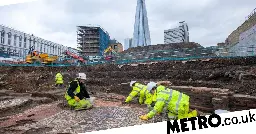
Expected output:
(70, 56)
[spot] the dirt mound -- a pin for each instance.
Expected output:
(237, 74)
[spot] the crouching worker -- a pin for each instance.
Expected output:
(146, 98)
(136, 88)
(160, 83)
(77, 95)
(140, 90)
(175, 104)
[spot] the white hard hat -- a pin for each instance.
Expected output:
(151, 85)
(82, 76)
(132, 82)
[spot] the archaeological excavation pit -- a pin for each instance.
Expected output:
(30, 102)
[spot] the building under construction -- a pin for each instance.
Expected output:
(92, 40)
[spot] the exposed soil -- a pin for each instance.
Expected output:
(43, 104)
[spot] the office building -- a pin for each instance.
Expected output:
(116, 46)
(127, 43)
(177, 35)
(16, 44)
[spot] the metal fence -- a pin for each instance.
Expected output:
(163, 59)
(119, 62)
(155, 56)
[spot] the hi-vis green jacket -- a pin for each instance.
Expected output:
(59, 78)
(145, 96)
(141, 91)
(174, 101)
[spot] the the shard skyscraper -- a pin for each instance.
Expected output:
(141, 35)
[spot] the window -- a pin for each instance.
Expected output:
(25, 42)
(20, 53)
(44, 48)
(25, 51)
(37, 45)
(9, 38)
(40, 46)
(50, 47)
(8, 50)
(57, 50)
(15, 52)
(53, 47)
(47, 48)
(2, 36)
(34, 44)
(20, 41)
(30, 41)
(1, 49)
(15, 40)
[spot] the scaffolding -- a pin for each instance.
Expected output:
(92, 40)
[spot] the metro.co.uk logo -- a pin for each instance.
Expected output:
(203, 122)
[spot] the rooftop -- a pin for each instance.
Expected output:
(92, 26)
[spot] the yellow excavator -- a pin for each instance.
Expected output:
(109, 49)
(110, 57)
(44, 58)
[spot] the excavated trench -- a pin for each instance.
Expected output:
(29, 102)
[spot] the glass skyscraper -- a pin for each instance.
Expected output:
(141, 35)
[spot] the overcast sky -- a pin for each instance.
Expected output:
(209, 21)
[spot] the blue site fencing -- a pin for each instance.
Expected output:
(119, 62)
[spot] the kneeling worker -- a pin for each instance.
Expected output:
(140, 90)
(175, 103)
(77, 95)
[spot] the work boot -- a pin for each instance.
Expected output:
(83, 108)
(72, 108)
